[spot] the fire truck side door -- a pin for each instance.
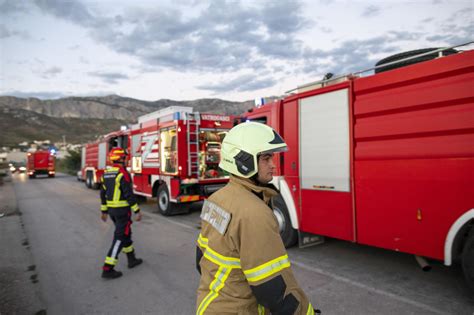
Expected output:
(326, 197)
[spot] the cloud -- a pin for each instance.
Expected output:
(371, 11)
(6, 33)
(73, 11)
(49, 95)
(225, 35)
(450, 32)
(53, 71)
(12, 7)
(40, 95)
(109, 77)
(355, 55)
(243, 83)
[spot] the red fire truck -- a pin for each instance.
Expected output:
(385, 160)
(95, 156)
(41, 162)
(175, 156)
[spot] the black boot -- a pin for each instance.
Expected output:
(132, 260)
(108, 272)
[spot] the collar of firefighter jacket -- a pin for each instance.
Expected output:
(268, 191)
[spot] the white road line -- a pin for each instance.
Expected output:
(366, 287)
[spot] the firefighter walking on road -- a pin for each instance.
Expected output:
(118, 201)
(243, 263)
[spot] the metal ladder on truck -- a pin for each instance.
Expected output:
(193, 121)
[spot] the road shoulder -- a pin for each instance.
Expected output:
(19, 289)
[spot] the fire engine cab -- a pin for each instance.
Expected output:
(385, 160)
(175, 154)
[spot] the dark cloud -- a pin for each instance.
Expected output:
(11, 7)
(355, 55)
(371, 11)
(243, 83)
(109, 77)
(70, 10)
(455, 30)
(225, 36)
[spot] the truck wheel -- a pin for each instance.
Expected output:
(88, 181)
(163, 200)
(410, 53)
(468, 260)
(288, 234)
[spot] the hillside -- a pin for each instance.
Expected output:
(81, 119)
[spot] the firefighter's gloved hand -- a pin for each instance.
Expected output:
(316, 311)
(103, 217)
(138, 216)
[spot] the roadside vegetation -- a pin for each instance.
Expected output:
(70, 164)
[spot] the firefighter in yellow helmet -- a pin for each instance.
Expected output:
(118, 201)
(241, 257)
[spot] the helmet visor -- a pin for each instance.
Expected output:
(275, 150)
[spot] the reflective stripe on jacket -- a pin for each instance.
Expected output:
(241, 250)
(116, 189)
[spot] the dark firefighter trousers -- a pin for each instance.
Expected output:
(122, 234)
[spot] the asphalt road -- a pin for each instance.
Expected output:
(69, 242)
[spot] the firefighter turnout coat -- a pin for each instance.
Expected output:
(243, 263)
(116, 190)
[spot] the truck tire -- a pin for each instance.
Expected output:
(288, 234)
(88, 180)
(468, 260)
(411, 61)
(163, 200)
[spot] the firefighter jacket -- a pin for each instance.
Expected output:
(116, 190)
(243, 263)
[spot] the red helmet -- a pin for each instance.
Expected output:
(116, 154)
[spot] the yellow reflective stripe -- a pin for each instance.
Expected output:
(215, 257)
(221, 260)
(267, 269)
(117, 204)
(310, 310)
(110, 261)
(128, 249)
(117, 187)
(219, 280)
(111, 169)
(135, 208)
(202, 241)
(261, 310)
(103, 207)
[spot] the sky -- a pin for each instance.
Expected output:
(192, 49)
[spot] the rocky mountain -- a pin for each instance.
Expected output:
(81, 119)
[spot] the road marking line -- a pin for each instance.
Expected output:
(366, 287)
